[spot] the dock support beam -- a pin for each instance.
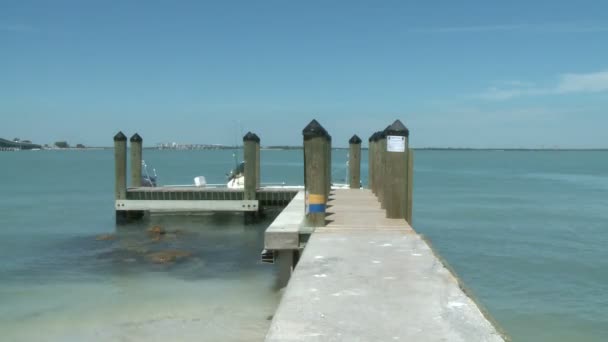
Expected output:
(251, 147)
(354, 162)
(316, 175)
(120, 173)
(395, 197)
(286, 263)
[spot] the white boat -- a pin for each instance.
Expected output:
(236, 177)
(148, 180)
(236, 180)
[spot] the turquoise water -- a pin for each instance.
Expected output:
(526, 231)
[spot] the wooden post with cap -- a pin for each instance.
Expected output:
(136, 160)
(250, 141)
(136, 172)
(410, 186)
(396, 171)
(370, 165)
(120, 173)
(316, 178)
(381, 167)
(376, 162)
(354, 162)
(251, 145)
(328, 165)
(257, 160)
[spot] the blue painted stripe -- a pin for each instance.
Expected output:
(316, 208)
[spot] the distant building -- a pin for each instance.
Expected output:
(21, 145)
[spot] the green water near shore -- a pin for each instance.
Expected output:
(526, 231)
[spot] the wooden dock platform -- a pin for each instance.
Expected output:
(362, 273)
(364, 277)
(192, 198)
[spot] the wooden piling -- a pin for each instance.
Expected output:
(120, 173)
(328, 165)
(120, 163)
(381, 168)
(376, 162)
(354, 162)
(285, 264)
(257, 160)
(316, 177)
(250, 152)
(136, 160)
(395, 196)
(370, 165)
(410, 186)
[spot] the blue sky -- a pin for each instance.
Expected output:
(457, 73)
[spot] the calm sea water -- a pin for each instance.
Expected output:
(526, 231)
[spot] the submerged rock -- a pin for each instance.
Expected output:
(167, 256)
(157, 230)
(157, 233)
(105, 237)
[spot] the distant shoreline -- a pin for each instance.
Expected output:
(290, 148)
(507, 149)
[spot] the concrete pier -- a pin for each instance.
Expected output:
(365, 277)
(357, 270)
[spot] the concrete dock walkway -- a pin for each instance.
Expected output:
(367, 278)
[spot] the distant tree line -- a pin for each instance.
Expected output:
(62, 144)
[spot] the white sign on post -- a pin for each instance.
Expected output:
(395, 143)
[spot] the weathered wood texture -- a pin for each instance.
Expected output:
(251, 172)
(120, 166)
(410, 186)
(354, 163)
(136, 160)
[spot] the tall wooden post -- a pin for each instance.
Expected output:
(381, 167)
(328, 165)
(354, 162)
(372, 162)
(396, 165)
(257, 160)
(250, 141)
(377, 163)
(410, 186)
(370, 165)
(136, 159)
(315, 173)
(120, 173)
